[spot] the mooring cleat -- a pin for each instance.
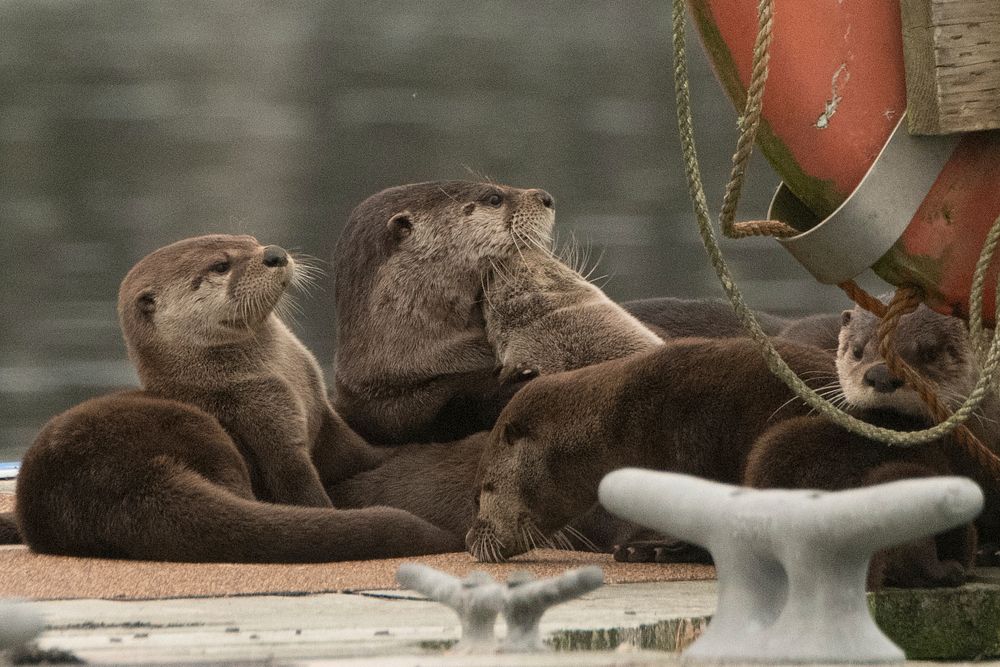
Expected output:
(791, 564)
(527, 598)
(477, 599)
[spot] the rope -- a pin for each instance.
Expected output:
(749, 124)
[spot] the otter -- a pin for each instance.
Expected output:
(936, 345)
(683, 406)
(543, 317)
(413, 362)
(811, 452)
(233, 412)
(939, 347)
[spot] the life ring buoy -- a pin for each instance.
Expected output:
(835, 95)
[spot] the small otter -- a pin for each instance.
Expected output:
(543, 317)
(939, 348)
(811, 452)
(693, 406)
(413, 362)
(199, 323)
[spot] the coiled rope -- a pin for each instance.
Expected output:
(905, 300)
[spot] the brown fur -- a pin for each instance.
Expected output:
(813, 453)
(434, 481)
(939, 348)
(543, 317)
(413, 363)
(683, 407)
(211, 339)
(133, 475)
(671, 317)
(8, 529)
(199, 324)
(822, 331)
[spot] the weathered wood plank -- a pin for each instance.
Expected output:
(951, 50)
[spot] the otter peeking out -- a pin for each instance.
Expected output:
(413, 362)
(233, 412)
(543, 317)
(810, 452)
(690, 405)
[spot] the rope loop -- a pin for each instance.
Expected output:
(905, 298)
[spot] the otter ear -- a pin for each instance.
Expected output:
(146, 303)
(400, 225)
(845, 318)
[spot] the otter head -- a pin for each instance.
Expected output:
(206, 291)
(540, 470)
(935, 345)
(429, 243)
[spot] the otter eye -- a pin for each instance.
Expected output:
(857, 351)
(220, 267)
(495, 200)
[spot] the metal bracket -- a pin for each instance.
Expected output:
(874, 216)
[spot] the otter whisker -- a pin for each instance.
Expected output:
(445, 193)
(562, 541)
(587, 542)
(588, 276)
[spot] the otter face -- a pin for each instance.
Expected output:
(935, 345)
(537, 474)
(203, 291)
(474, 222)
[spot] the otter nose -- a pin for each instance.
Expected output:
(545, 198)
(881, 379)
(275, 256)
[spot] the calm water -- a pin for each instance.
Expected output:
(127, 125)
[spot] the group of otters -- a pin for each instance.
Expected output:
(482, 389)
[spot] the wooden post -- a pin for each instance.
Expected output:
(952, 54)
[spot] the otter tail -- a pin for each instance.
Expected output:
(185, 517)
(8, 529)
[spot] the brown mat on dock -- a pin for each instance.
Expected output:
(24, 574)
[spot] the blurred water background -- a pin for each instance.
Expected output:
(129, 124)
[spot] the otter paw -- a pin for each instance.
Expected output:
(517, 374)
(659, 551)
